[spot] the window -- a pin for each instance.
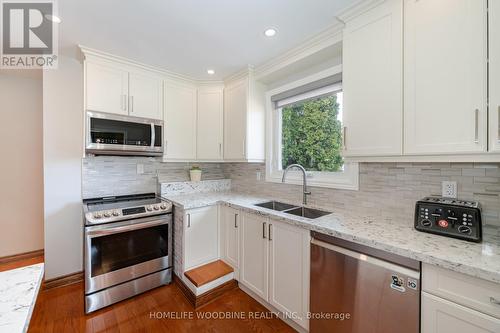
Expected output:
(306, 128)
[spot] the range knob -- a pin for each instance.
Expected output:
(107, 214)
(156, 207)
(116, 213)
(97, 215)
(149, 208)
(163, 206)
(426, 223)
(464, 230)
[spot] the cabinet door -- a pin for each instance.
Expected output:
(180, 121)
(201, 236)
(445, 76)
(254, 254)
(372, 82)
(231, 237)
(289, 253)
(106, 88)
(494, 74)
(210, 120)
(235, 111)
(145, 95)
(442, 316)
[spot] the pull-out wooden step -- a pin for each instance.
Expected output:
(208, 273)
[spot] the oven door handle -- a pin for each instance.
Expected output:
(125, 228)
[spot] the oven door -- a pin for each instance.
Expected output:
(122, 251)
(123, 135)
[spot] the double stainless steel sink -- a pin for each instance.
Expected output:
(309, 213)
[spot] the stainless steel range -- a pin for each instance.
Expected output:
(128, 247)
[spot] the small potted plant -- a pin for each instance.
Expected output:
(195, 173)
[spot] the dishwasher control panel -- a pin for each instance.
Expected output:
(449, 217)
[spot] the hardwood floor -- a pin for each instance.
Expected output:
(61, 310)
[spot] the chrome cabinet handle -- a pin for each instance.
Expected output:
(344, 130)
(269, 232)
(493, 300)
(220, 149)
(476, 126)
(189, 220)
(244, 148)
(235, 220)
(264, 230)
(498, 124)
(131, 104)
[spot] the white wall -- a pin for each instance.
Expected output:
(21, 177)
(63, 149)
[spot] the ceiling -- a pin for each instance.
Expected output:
(190, 36)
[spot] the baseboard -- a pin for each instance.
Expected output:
(62, 281)
(207, 297)
(21, 256)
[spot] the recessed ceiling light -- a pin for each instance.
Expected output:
(270, 32)
(210, 71)
(53, 18)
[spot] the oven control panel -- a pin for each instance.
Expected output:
(113, 215)
(449, 217)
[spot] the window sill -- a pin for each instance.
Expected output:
(346, 182)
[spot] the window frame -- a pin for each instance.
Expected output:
(348, 179)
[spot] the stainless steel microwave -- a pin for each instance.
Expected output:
(113, 134)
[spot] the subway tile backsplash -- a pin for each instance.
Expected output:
(385, 189)
(117, 175)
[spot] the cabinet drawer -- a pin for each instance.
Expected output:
(442, 316)
(472, 292)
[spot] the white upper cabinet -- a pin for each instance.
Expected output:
(210, 123)
(494, 74)
(244, 120)
(106, 88)
(145, 95)
(235, 121)
(445, 70)
(179, 120)
(372, 81)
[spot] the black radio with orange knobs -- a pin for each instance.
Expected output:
(449, 217)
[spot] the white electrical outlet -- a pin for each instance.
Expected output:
(258, 175)
(140, 169)
(449, 189)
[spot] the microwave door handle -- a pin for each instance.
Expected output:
(153, 138)
(111, 231)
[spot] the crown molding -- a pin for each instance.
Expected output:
(328, 37)
(239, 75)
(357, 9)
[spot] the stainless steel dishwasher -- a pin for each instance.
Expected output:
(358, 289)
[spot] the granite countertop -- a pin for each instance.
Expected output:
(480, 260)
(18, 292)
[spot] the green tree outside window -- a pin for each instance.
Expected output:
(312, 135)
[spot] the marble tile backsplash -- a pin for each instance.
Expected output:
(117, 175)
(385, 189)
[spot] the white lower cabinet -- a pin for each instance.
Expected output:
(275, 264)
(201, 236)
(458, 303)
(230, 237)
(442, 316)
(289, 267)
(254, 254)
